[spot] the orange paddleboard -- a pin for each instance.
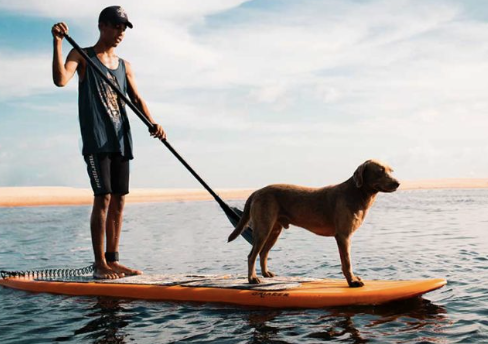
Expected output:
(278, 292)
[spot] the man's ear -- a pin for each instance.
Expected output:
(102, 25)
(357, 177)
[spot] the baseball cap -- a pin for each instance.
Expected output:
(114, 15)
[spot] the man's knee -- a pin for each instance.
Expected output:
(102, 202)
(118, 202)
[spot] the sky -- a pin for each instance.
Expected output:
(254, 92)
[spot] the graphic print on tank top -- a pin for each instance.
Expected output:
(110, 100)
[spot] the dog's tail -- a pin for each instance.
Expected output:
(246, 216)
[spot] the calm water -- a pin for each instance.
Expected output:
(407, 235)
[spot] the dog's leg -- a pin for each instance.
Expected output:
(260, 235)
(344, 244)
(263, 256)
(251, 259)
(263, 216)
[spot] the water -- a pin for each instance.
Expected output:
(407, 235)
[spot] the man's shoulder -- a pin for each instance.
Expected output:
(128, 66)
(89, 51)
(74, 55)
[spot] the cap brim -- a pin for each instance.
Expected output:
(125, 22)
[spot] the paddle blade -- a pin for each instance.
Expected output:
(234, 215)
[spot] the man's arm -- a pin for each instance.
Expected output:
(136, 98)
(62, 73)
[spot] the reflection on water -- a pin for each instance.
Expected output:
(343, 327)
(344, 323)
(107, 321)
(407, 235)
(411, 315)
(263, 333)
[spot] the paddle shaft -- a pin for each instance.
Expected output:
(228, 211)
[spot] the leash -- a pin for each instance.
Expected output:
(48, 273)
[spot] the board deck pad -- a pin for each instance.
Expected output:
(278, 292)
(201, 281)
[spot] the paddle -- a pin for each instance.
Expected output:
(232, 213)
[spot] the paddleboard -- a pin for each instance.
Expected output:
(277, 292)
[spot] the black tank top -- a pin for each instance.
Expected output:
(103, 119)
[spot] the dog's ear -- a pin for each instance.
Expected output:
(357, 177)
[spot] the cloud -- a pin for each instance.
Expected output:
(161, 9)
(396, 80)
(274, 54)
(24, 75)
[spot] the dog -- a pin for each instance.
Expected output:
(336, 210)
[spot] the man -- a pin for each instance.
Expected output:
(105, 131)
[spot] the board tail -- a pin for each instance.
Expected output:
(246, 215)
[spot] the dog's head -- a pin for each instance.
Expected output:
(375, 175)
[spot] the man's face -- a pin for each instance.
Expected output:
(112, 34)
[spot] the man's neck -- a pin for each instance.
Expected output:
(101, 48)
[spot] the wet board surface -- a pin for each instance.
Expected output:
(277, 292)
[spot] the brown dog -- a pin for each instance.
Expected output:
(336, 211)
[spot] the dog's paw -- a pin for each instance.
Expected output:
(254, 280)
(268, 274)
(356, 283)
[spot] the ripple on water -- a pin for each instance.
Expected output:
(407, 235)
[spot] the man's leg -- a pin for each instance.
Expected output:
(114, 228)
(97, 225)
(119, 168)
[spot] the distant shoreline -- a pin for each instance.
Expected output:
(50, 196)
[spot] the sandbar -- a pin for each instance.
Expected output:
(58, 196)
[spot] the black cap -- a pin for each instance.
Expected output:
(114, 15)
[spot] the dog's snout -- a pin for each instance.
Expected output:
(395, 184)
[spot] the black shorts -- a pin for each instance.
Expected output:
(109, 173)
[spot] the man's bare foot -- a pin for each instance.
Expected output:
(105, 272)
(121, 269)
